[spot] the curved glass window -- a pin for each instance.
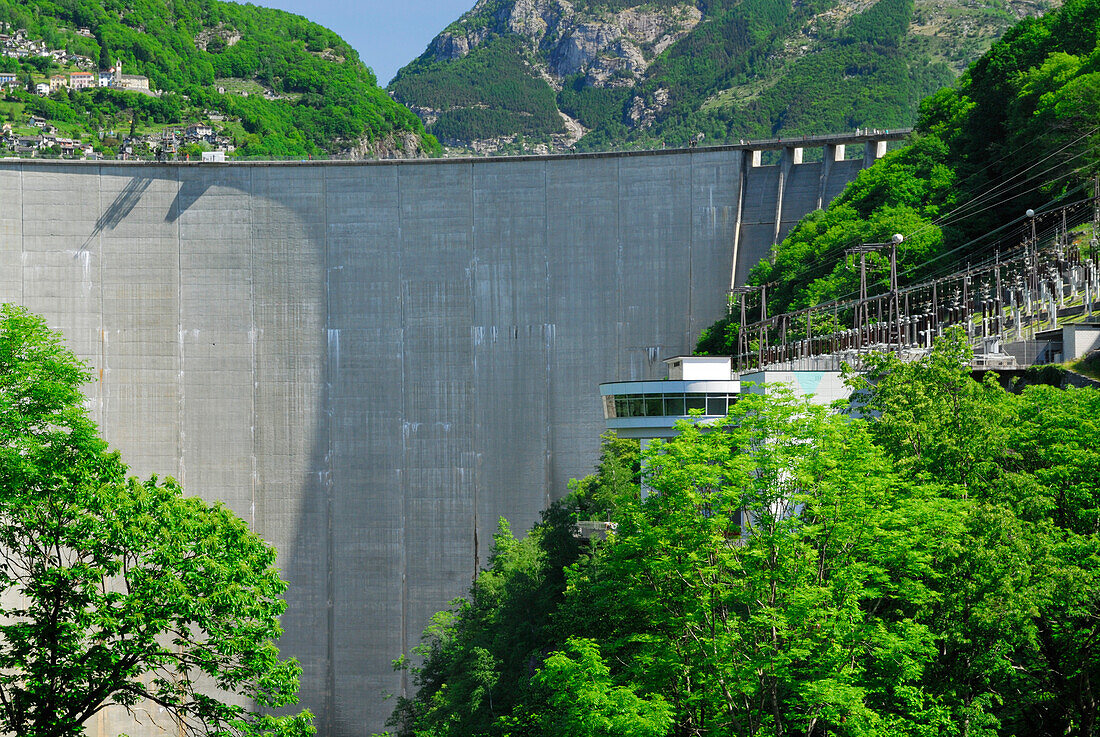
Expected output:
(667, 405)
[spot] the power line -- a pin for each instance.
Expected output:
(979, 288)
(1000, 188)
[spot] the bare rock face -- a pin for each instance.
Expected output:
(644, 112)
(448, 46)
(621, 65)
(610, 49)
(429, 115)
(534, 18)
(582, 48)
(618, 49)
(228, 35)
(401, 146)
(652, 27)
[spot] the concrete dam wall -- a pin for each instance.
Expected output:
(373, 362)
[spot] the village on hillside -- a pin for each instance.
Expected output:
(18, 46)
(29, 135)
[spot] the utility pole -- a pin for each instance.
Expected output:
(860, 313)
(809, 334)
(935, 322)
(965, 315)
(998, 304)
(782, 339)
(1065, 234)
(1095, 216)
(894, 284)
(763, 324)
(1033, 254)
(1095, 205)
(742, 333)
(862, 317)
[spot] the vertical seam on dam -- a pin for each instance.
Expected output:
(827, 155)
(403, 470)
(180, 366)
(619, 347)
(741, 182)
(22, 238)
(781, 188)
(471, 284)
(253, 337)
(691, 242)
(330, 501)
(104, 335)
(548, 454)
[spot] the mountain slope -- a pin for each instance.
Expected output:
(623, 72)
(291, 86)
(1018, 132)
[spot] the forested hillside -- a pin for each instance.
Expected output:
(545, 74)
(933, 571)
(1019, 130)
(277, 83)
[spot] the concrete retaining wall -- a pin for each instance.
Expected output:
(373, 362)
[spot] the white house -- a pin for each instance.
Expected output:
(701, 389)
(81, 80)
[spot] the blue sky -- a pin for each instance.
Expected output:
(388, 34)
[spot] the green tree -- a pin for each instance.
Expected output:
(576, 697)
(931, 415)
(770, 584)
(117, 591)
(614, 484)
(1016, 627)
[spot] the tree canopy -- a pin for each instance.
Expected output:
(116, 591)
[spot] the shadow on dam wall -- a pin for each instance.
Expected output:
(374, 362)
(198, 297)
